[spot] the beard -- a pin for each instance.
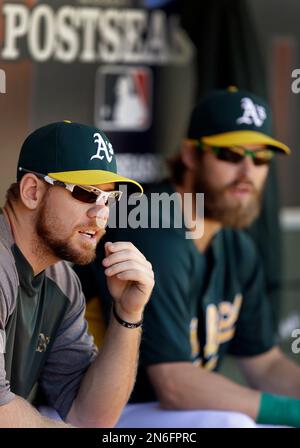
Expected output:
(49, 227)
(230, 212)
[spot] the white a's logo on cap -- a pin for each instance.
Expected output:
(102, 147)
(253, 113)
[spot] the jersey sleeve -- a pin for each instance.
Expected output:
(8, 292)
(255, 328)
(5, 393)
(71, 354)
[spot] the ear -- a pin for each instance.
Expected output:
(189, 154)
(32, 191)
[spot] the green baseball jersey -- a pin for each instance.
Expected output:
(203, 305)
(44, 345)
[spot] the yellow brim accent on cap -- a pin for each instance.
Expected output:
(92, 177)
(244, 137)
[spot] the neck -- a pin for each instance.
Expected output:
(211, 227)
(23, 229)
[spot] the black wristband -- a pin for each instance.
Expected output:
(123, 322)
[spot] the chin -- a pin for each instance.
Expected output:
(83, 258)
(80, 253)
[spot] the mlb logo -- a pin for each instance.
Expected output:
(2, 342)
(123, 98)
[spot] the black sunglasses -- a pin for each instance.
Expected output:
(235, 154)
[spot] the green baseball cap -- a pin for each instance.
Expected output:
(72, 153)
(233, 117)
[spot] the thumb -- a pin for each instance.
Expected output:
(106, 248)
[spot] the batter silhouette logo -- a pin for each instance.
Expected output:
(2, 81)
(123, 98)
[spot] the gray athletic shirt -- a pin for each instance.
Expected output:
(45, 348)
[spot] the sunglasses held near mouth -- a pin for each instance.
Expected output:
(84, 193)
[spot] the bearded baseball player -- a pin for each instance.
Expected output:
(57, 210)
(209, 298)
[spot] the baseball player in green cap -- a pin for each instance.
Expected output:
(209, 297)
(57, 211)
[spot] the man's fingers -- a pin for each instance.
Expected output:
(106, 248)
(122, 245)
(123, 255)
(129, 265)
(136, 276)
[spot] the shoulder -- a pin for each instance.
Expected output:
(9, 281)
(67, 281)
(155, 220)
(241, 243)
(242, 253)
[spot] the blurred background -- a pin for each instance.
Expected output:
(135, 69)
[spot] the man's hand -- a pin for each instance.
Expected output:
(130, 278)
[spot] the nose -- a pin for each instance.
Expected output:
(99, 210)
(246, 165)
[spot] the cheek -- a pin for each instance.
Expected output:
(65, 211)
(220, 173)
(261, 176)
(65, 214)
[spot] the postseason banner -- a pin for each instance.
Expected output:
(124, 66)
